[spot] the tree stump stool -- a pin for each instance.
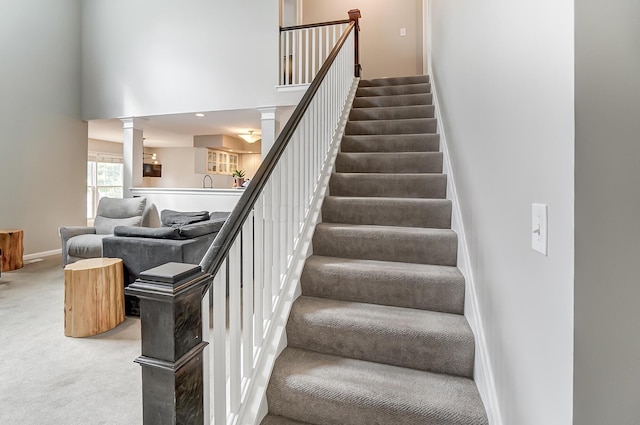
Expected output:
(12, 249)
(93, 296)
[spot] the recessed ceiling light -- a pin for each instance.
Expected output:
(199, 115)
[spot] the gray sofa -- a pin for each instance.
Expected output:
(183, 237)
(79, 242)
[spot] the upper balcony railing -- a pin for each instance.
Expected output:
(208, 349)
(304, 48)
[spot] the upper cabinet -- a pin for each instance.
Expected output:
(212, 161)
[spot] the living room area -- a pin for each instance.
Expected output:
(48, 377)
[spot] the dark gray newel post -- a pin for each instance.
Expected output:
(171, 321)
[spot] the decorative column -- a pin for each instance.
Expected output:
(172, 359)
(270, 128)
(132, 154)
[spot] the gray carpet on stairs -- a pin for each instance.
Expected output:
(378, 335)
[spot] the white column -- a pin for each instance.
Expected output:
(270, 128)
(132, 154)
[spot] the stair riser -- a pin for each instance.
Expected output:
(393, 113)
(360, 336)
(403, 100)
(392, 143)
(440, 249)
(410, 126)
(431, 213)
(389, 185)
(393, 90)
(339, 279)
(389, 163)
(396, 81)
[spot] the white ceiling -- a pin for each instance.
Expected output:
(178, 130)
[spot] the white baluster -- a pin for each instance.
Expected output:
(247, 297)
(308, 73)
(235, 387)
(258, 322)
(290, 57)
(277, 237)
(268, 249)
(313, 53)
(300, 57)
(220, 346)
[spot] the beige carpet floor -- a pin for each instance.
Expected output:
(47, 378)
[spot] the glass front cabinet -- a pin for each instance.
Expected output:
(211, 161)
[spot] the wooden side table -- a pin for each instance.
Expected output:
(93, 296)
(12, 249)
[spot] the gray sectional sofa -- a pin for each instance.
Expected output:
(184, 237)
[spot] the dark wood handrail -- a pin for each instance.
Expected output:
(217, 252)
(319, 24)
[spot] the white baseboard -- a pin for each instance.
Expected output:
(29, 257)
(483, 372)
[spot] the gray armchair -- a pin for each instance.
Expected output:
(80, 242)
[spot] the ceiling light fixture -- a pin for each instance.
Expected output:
(199, 115)
(249, 137)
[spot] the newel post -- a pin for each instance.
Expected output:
(171, 326)
(354, 15)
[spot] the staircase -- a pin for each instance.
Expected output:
(378, 335)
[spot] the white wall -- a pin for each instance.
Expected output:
(383, 52)
(43, 143)
(143, 57)
(503, 71)
(103, 146)
(607, 289)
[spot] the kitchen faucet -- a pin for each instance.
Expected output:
(210, 180)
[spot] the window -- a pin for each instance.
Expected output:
(104, 178)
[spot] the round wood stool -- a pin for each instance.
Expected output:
(93, 296)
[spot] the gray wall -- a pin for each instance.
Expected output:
(383, 52)
(504, 75)
(43, 143)
(144, 57)
(607, 286)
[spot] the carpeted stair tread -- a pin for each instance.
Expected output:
(393, 90)
(391, 143)
(389, 162)
(378, 335)
(397, 100)
(420, 286)
(386, 243)
(392, 112)
(399, 126)
(394, 81)
(322, 389)
(421, 339)
(280, 420)
(407, 212)
(416, 185)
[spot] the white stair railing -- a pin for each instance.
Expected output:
(304, 48)
(257, 256)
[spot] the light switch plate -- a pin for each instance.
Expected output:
(403, 32)
(539, 228)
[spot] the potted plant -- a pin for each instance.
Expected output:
(238, 178)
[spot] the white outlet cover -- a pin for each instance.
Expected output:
(403, 32)
(539, 227)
